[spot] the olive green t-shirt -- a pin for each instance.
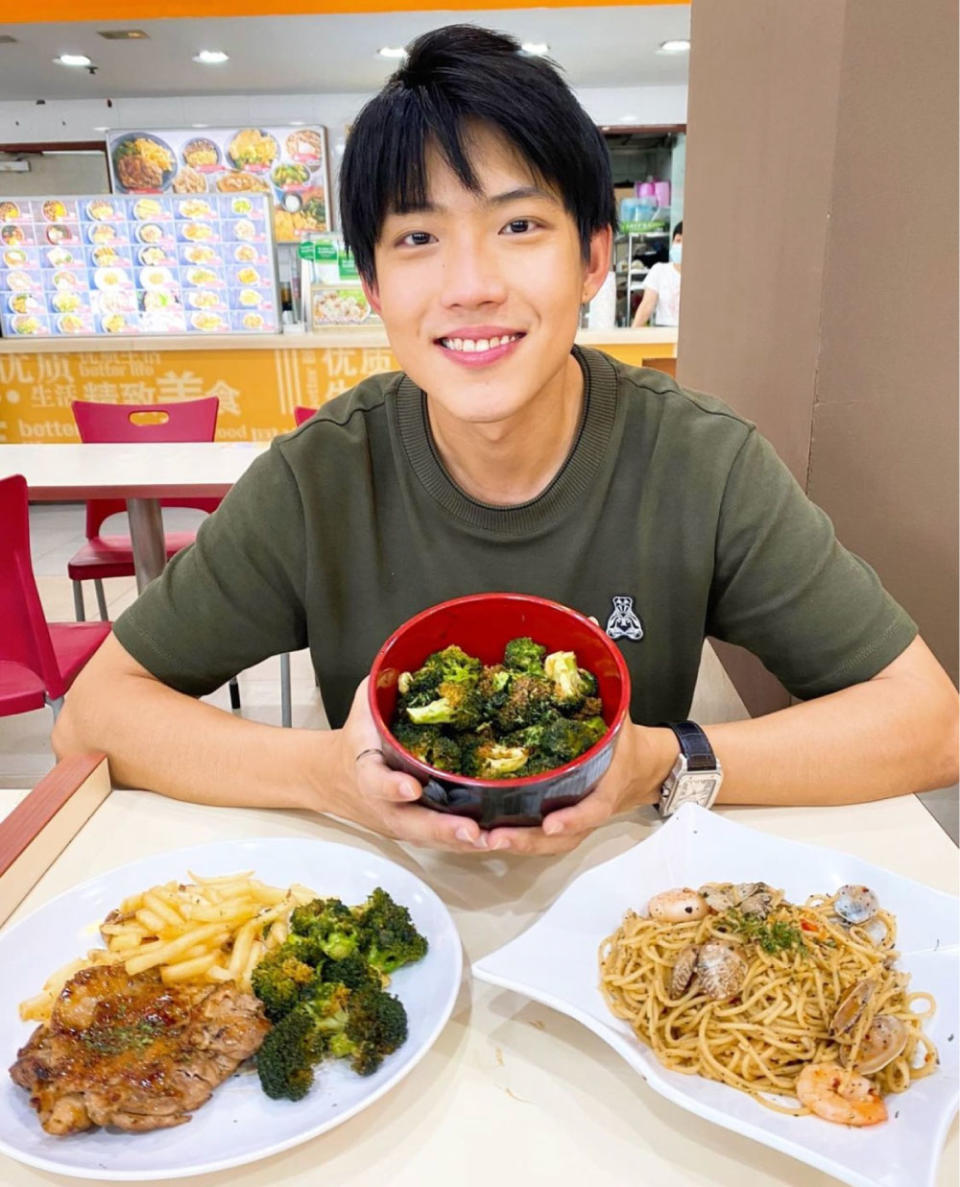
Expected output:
(671, 519)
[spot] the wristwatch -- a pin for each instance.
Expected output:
(696, 775)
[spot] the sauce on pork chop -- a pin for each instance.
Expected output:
(134, 1053)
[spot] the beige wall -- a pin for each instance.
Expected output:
(820, 265)
(59, 173)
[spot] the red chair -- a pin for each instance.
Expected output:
(112, 556)
(38, 659)
(302, 413)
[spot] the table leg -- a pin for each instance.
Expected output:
(146, 536)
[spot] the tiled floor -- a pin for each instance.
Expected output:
(57, 532)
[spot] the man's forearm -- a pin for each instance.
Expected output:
(882, 738)
(159, 739)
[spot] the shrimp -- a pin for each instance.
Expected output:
(677, 906)
(821, 1089)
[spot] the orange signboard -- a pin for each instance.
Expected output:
(258, 389)
(124, 10)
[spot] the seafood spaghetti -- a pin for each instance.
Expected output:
(734, 983)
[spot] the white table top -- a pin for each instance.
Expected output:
(511, 1093)
(57, 473)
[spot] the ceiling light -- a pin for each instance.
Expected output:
(101, 128)
(678, 46)
(199, 125)
(536, 48)
(297, 123)
(392, 51)
(211, 57)
(123, 35)
(73, 60)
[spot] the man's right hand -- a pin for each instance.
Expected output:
(370, 793)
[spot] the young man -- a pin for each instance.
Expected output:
(476, 195)
(661, 289)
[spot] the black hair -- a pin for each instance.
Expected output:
(452, 77)
(677, 230)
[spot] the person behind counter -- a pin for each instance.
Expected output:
(661, 288)
(477, 198)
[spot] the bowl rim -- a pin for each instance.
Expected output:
(620, 715)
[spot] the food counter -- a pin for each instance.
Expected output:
(259, 379)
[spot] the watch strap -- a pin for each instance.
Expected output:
(694, 745)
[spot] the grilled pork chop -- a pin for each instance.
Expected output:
(134, 1053)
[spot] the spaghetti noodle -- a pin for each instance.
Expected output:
(752, 997)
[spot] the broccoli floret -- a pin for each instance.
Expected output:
(523, 655)
(286, 1057)
(352, 971)
(429, 744)
(591, 707)
(450, 664)
(567, 738)
(459, 705)
(571, 685)
(487, 759)
(328, 923)
(279, 981)
(389, 937)
(528, 699)
(493, 684)
(375, 1026)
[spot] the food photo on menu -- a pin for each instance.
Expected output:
(288, 164)
(135, 264)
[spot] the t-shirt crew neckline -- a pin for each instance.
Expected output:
(564, 493)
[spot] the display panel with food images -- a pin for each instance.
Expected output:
(136, 264)
(289, 164)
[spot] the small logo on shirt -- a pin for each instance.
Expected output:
(623, 622)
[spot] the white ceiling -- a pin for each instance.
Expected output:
(597, 47)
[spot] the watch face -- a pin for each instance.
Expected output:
(696, 787)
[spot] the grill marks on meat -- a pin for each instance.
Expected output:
(134, 1053)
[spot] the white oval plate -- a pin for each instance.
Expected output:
(555, 962)
(239, 1124)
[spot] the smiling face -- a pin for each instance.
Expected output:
(481, 292)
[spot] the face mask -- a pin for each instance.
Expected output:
(676, 252)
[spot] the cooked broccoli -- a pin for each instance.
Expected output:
(450, 664)
(528, 699)
(279, 981)
(491, 721)
(286, 1057)
(566, 738)
(493, 685)
(523, 655)
(362, 1025)
(459, 705)
(389, 937)
(352, 971)
(375, 1026)
(329, 923)
(571, 685)
(488, 759)
(428, 744)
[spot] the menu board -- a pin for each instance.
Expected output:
(290, 164)
(126, 264)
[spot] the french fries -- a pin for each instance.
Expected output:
(209, 929)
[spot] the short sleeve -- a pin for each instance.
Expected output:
(786, 589)
(234, 597)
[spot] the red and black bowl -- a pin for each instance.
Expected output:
(482, 624)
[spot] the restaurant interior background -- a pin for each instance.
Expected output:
(820, 248)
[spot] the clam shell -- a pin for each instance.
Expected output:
(683, 970)
(855, 904)
(852, 1006)
(883, 1042)
(721, 969)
